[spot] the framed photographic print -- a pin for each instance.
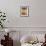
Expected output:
(24, 11)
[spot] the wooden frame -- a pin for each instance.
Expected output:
(24, 11)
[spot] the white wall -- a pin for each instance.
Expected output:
(37, 13)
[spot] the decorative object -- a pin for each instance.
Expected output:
(7, 30)
(8, 40)
(44, 44)
(24, 11)
(2, 19)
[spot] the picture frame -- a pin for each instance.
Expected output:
(24, 11)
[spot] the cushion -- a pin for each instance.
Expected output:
(26, 39)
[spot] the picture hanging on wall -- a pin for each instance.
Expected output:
(24, 11)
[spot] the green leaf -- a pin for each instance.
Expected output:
(0, 21)
(2, 26)
(4, 13)
(0, 12)
(3, 19)
(1, 15)
(4, 16)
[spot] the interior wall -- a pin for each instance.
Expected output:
(37, 13)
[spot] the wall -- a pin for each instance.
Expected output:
(37, 13)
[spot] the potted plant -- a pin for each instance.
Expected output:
(2, 19)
